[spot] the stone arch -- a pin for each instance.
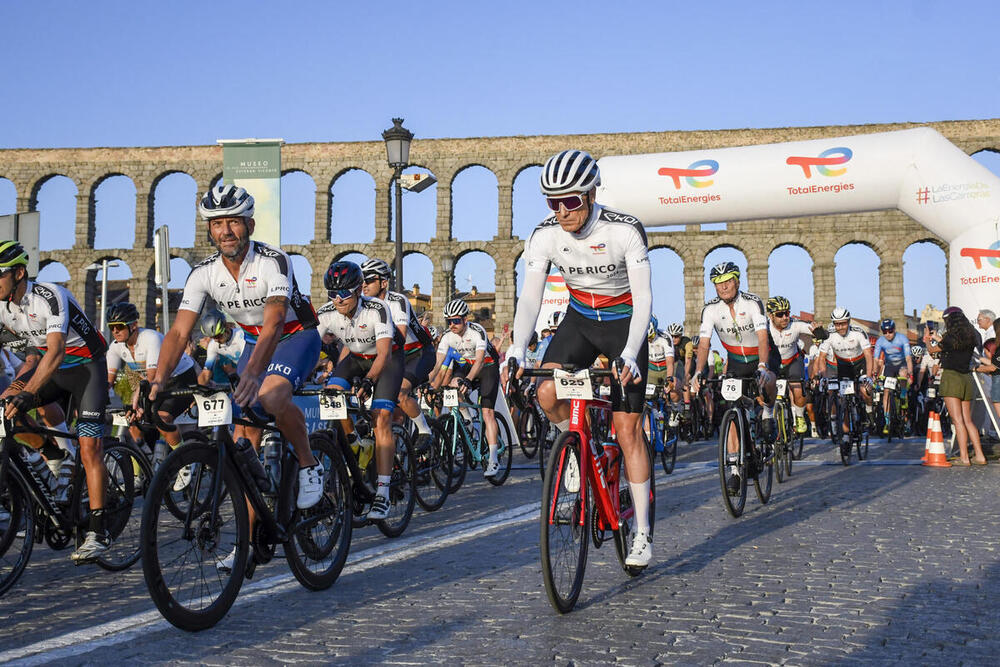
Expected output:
(298, 206)
(857, 273)
(52, 271)
(925, 276)
(475, 210)
(8, 197)
(174, 196)
(527, 204)
(989, 158)
(420, 210)
(112, 212)
(667, 275)
(54, 196)
(725, 252)
(418, 272)
(351, 255)
(352, 206)
(473, 270)
(790, 274)
(180, 269)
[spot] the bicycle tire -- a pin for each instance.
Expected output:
(437, 466)
(844, 442)
(129, 477)
(862, 449)
(505, 451)
(545, 448)
(402, 497)
(625, 509)
(564, 539)
(458, 456)
(527, 432)
(668, 457)
(176, 497)
(734, 503)
(15, 547)
(334, 512)
(763, 488)
(178, 610)
(779, 443)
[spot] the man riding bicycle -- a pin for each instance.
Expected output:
(786, 358)
(253, 283)
(603, 257)
(224, 349)
(849, 355)
(892, 353)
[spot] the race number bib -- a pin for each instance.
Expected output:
(604, 391)
(732, 388)
(449, 398)
(782, 386)
(833, 385)
(332, 406)
(847, 389)
(118, 419)
(890, 383)
(573, 385)
(650, 390)
(931, 392)
(215, 410)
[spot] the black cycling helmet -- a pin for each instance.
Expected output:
(888, 325)
(724, 271)
(343, 276)
(122, 312)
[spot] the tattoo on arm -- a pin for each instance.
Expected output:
(280, 300)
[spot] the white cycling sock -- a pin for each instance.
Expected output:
(466, 412)
(383, 485)
(563, 426)
(797, 411)
(493, 452)
(640, 501)
(768, 411)
(421, 423)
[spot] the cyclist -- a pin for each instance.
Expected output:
(253, 283)
(478, 361)
(138, 349)
(660, 366)
(372, 349)
(738, 319)
(72, 364)
(786, 359)
(849, 353)
(224, 349)
(683, 363)
(418, 352)
(602, 255)
(892, 352)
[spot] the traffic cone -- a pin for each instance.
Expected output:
(931, 417)
(936, 458)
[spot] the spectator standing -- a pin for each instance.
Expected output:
(957, 347)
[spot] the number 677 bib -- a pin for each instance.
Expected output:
(215, 410)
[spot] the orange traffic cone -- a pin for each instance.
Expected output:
(936, 458)
(931, 417)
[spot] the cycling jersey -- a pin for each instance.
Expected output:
(534, 359)
(228, 352)
(403, 316)
(453, 359)
(660, 349)
(471, 341)
(786, 341)
(895, 351)
(49, 308)
(371, 322)
(849, 348)
(738, 335)
(265, 272)
(145, 356)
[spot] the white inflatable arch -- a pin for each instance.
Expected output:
(917, 171)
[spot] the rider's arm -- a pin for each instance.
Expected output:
(637, 265)
(114, 363)
(174, 344)
(760, 323)
(703, 346)
(528, 305)
(55, 341)
(211, 357)
(909, 359)
(477, 365)
(383, 352)
(869, 363)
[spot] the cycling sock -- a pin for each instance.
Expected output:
(768, 411)
(493, 452)
(799, 412)
(466, 412)
(420, 421)
(383, 485)
(563, 426)
(640, 501)
(97, 521)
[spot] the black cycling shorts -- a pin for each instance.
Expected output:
(850, 369)
(488, 383)
(892, 370)
(386, 385)
(418, 365)
(86, 384)
(176, 405)
(794, 371)
(579, 341)
(746, 370)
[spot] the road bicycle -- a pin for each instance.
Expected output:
(467, 437)
(656, 420)
(754, 457)
(848, 411)
(534, 431)
(786, 438)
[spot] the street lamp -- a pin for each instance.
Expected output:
(448, 264)
(397, 149)
(104, 266)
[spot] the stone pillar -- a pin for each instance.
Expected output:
(321, 230)
(144, 202)
(442, 226)
(383, 211)
(142, 292)
(694, 296)
(442, 288)
(890, 286)
(824, 289)
(85, 214)
(505, 296)
(757, 278)
(505, 212)
(202, 246)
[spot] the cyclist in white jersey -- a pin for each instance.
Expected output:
(849, 355)
(477, 362)
(418, 352)
(253, 283)
(372, 349)
(786, 359)
(602, 255)
(738, 319)
(73, 364)
(224, 349)
(661, 356)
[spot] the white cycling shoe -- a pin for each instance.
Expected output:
(183, 478)
(310, 486)
(226, 564)
(641, 552)
(492, 468)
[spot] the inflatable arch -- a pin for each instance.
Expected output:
(917, 171)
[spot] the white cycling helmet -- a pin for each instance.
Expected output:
(376, 267)
(675, 329)
(570, 171)
(226, 201)
(840, 314)
(456, 308)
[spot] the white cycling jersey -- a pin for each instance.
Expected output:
(849, 348)
(231, 350)
(737, 334)
(471, 341)
(371, 322)
(49, 308)
(145, 356)
(606, 269)
(787, 340)
(403, 316)
(661, 348)
(264, 273)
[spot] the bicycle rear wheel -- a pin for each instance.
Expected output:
(527, 432)
(434, 469)
(737, 500)
(565, 524)
(401, 493)
(17, 530)
(780, 449)
(669, 436)
(129, 478)
(456, 449)
(626, 512)
(181, 557)
(763, 481)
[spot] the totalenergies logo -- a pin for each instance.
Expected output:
(828, 158)
(698, 170)
(991, 255)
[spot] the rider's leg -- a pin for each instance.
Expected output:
(55, 418)
(409, 405)
(636, 465)
(385, 446)
(556, 410)
(275, 397)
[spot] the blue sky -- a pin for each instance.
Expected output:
(127, 74)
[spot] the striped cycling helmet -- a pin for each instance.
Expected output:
(570, 171)
(226, 201)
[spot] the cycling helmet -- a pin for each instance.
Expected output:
(887, 326)
(12, 254)
(777, 304)
(676, 329)
(917, 352)
(570, 171)
(122, 312)
(376, 267)
(213, 324)
(554, 319)
(651, 330)
(433, 331)
(342, 276)
(840, 314)
(226, 201)
(456, 308)
(724, 271)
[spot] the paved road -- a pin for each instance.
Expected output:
(883, 562)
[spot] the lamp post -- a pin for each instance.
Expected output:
(448, 264)
(103, 267)
(397, 148)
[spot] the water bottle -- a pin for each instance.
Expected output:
(365, 452)
(272, 447)
(39, 468)
(250, 463)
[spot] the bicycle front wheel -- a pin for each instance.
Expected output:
(732, 475)
(433, 470)
(505, 451)
(780, 449)
(527, 432)
(17, 530)
(182, 558)
(401, 492)
(453, 442)
(565, 524)
(763, 481)
(129, 478)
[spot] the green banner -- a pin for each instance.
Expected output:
(256, 166)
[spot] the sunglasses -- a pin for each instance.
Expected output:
(340, 294)
(453, 320)
(571, 203)
(371, 280)
(117, 325)
(783, 313)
